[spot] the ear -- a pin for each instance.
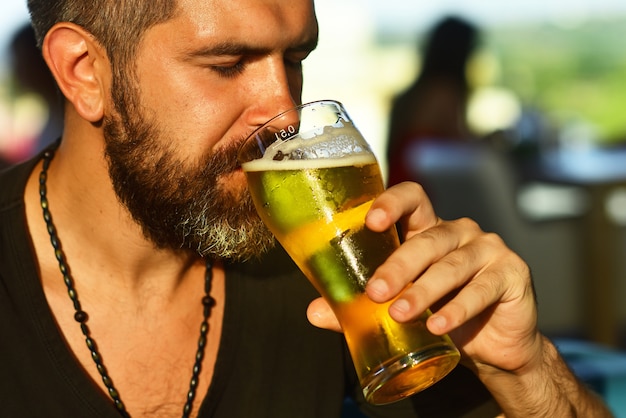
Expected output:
(80, 67)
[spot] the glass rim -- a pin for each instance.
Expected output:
(295, 108)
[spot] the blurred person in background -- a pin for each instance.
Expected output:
(434, 107)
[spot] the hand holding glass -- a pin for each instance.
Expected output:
(313, 178)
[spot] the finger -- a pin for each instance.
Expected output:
(402, 200)
(446, 274)
(321, 315)
(477, 297)
(416, 255)
(501, 284)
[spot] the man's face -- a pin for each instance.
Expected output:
(202, 82)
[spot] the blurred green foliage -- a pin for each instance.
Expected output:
(573, 73)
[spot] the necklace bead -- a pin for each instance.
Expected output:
(82, 317)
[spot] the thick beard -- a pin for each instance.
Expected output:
(179, 205)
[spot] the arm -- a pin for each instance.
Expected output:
(547, 389)
(482, 294)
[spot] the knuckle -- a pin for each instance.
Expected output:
(417, 188)
(394, 271)
(467, 224)
(411, 187)
(417, 295)
(490, 284)
(430, 237)
(458, 311)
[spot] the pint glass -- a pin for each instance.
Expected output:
(313, 178)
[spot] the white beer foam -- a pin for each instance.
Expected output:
(268, 164)
(335, 146)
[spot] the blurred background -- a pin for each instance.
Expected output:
(527, 134)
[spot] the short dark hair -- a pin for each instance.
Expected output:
(117, 25)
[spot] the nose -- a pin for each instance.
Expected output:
(275, 92)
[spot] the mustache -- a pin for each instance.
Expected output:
(224, 160)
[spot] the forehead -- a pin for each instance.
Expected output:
(257, 21)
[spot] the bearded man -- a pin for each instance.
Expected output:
(132, 274)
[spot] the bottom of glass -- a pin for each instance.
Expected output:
(409, 374)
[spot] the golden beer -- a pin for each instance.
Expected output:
(313, 195)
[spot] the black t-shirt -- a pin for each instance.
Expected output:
(271, 362)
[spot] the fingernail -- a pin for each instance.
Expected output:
(316, 314)
(438, 321)
(378, 287)
(401, 306)
(376, 216)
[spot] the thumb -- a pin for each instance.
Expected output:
(321, 315)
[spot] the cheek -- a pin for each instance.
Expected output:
(196, 115)
(194, 125)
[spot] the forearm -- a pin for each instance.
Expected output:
(548, 390)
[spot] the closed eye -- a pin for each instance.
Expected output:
(229, 71)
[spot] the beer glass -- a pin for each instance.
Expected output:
(313, 178)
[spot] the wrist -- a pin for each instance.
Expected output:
(542, 387)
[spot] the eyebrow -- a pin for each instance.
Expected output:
(234, 49)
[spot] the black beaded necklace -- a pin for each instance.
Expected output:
(81, 316)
